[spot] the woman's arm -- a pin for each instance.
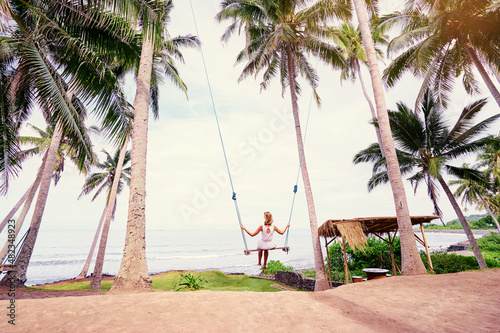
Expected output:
(259, 229)
(279, 231)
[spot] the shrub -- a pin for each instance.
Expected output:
(377, 255)
(490, 242)
(450, 263)
(490, 247)
(275, 265)
(483, 223)
(310, 273)
(190, 281)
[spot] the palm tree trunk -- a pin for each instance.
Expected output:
(319, 265)
(491, 86)
(95, 284)
(370, 104)
(464, 223)
(86, 266)
(133, 273)
(27, 205)
(14, 210)
(490, 212)
(411, 263)
(22, 262)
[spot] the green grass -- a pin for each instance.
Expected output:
(105, 285)
(216, 281)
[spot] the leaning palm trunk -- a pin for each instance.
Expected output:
(95, 284)
(489, 83)
(465, 225)
(26, 207)
(86, 266)
(22, 261)
(133, 273)
(411, 263)
(370, 104)
(490, 212)
(14, 209)
(319, 265)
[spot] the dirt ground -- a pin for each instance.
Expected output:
(461, 302)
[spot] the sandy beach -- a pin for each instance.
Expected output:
(461, 302)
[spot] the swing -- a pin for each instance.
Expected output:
(285, 247)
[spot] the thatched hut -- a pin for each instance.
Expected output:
(354, 232)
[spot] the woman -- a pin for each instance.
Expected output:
(266, 243)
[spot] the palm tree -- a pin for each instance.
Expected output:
(426, 145)
(281, 36)
(410, 260)
(152, 17)
(46, 43)
(40, 144)
(102, 181)
(9, 128)
(441, 40)
(350, 42)
(243, 13)
(489, 157)
(473, 193)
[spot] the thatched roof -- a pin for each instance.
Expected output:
(370, 225)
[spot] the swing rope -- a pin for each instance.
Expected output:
(295, 188)
(218, 128)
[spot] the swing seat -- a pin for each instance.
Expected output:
(284, 248)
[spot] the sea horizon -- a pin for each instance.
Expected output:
(61, 254)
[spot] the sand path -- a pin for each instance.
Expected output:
(462, 302)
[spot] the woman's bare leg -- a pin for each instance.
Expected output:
(260, 257)
(266, 254)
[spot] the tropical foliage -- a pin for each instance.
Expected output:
(482, 223)
(349, 40)
(103, 181)
(376, 254)
(442, 40)
(426, 146)
(59, 65)
(59, 58)
(190, 281)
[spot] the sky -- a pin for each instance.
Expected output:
(187, 183)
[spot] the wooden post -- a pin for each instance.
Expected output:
(346, 270)
(329, 268)
(426, 246)
(394, 272)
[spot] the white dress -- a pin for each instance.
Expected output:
(266, 243)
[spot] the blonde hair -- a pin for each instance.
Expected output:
(268, 218)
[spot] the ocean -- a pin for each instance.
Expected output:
(60, 254)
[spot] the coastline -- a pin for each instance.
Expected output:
(457, 231)
(168, 251)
